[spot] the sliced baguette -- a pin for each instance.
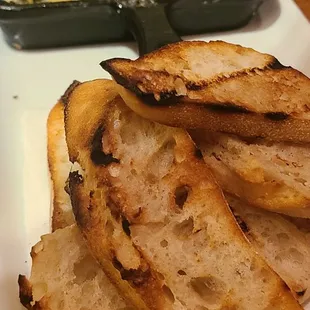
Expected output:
(154, 217)
(281, 242)
(64, 276)
(266, 232)
(273, 176)
(217, 86)
(59, 167)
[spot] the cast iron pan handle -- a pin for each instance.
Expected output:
(150, 27)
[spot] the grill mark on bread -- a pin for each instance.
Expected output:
(141, 278)
(198, 153)
(136, 277)
(276, 64)
(116, 213)
(75, 181)
(65, 97)
(75, 178)
(244, 227)
(98, 157)
(190, 85)
(276, 116)
(242, 224)
(126, 226)
(193, 86)
(166, 98)
(301, 293)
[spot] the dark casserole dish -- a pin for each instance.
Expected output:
(54, 24)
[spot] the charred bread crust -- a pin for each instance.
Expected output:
(162, 78)
(25, 292)
(64, 98)
(97, 155)
(277, 113)
(95, 220)
(89, 215)
(274, 127)
(89, 119)
(25, 296)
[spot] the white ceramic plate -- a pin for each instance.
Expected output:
(38, 79)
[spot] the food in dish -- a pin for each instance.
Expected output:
(153, 216)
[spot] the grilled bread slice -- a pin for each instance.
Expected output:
(154, 217)
(274, 236)
(219, 87)
(273, 176)
(59, 167)
(280, 241)
(65, 276)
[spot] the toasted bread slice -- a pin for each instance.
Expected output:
(265, 230)
(282, 243)
(154, 217)
(273, 176)
(217, 86)
(59, 167)
(65, 276)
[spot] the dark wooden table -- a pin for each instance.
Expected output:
(305, 7)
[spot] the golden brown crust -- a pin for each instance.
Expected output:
(59, 167)
(92, 219)
(265, 100)
(156, 72)
(88, 119)
(196, 116)
(95, 221)
(101, 222)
